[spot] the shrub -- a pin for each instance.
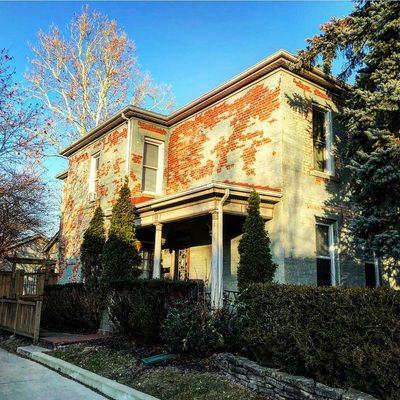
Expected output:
(191, 327)
(70, 308)
(92, 250)
(341, 337)
(139, 307)
(255, 264)
(121, 258)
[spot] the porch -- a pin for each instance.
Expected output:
(195, 234)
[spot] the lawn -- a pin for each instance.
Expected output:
(180, 380)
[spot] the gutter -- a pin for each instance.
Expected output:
(128, 143)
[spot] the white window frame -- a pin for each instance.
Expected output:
(93, 177)
(328, 153)
(375, 261)
(160, 166)
(332, 226)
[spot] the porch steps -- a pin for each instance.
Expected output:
(65, 339)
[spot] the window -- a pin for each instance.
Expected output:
(153, 155)
(94, 176)
(325, 243)
(322, 140)
(372, 273)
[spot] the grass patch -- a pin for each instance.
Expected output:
(172, 384)
(178, 382)
(115, 365)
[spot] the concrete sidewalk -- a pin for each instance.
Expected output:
(22, 379)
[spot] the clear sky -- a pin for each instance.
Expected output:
(194, 46)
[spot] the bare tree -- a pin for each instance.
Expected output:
(20, 141)
(22, 192)
(89, 75)
(22, 205)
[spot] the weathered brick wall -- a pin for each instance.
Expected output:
(309, 195)
(76, 208)
(236, 141)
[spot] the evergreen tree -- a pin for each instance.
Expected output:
(121, 258)
(92, 250)
(369, 40)
(255, 263)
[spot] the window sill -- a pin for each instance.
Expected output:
(325, 175)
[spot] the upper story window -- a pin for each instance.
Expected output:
(326, 260)
(153, 160)
(322, 140)
(94, 175)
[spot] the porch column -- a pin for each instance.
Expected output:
(157, 252)
(216, 263)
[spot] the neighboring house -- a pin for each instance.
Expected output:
(27, 254)
(191, 172)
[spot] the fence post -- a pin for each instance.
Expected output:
(16, 316)
(38, 310)
(19, 283)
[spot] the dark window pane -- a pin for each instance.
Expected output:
(324, 272)
(319, 139)
(370, 280)
(322, 240)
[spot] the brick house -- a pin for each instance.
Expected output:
(191, 172)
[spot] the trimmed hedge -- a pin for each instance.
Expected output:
(70, 308)
(139, 307)
(341, 337)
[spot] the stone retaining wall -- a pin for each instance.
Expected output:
(279, 385)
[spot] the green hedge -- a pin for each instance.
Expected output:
(138, 308)
(70, 308)
(341, 337)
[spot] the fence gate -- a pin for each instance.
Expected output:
(21, 296)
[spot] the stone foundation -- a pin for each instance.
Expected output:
(275, 384)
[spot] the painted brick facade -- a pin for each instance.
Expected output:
(259, 136)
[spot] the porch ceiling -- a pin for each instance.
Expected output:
(202, 200)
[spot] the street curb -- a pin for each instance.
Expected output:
(106, 386)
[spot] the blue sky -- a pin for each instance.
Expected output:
(194, 46)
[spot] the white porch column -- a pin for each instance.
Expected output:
(216, 262)
(157, 252)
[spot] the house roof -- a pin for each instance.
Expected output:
(280, 59)
(29, 239)
(51, 242)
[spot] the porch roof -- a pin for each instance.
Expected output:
(203, 200)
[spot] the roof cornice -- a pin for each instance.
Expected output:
(280, 59)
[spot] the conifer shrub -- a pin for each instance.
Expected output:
(121, 258)
(255, 264)
(340, 337)
(138, 307)
(70, 308)
(92, 250)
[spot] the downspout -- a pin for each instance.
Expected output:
(220, 299)
(128, 143)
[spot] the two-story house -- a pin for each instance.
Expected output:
(191, 172)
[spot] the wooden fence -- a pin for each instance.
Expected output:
(21, 296)
(21, 317)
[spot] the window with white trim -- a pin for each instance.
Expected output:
(326, 253)
(322, 140)
(94, 176)
(153, 160)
